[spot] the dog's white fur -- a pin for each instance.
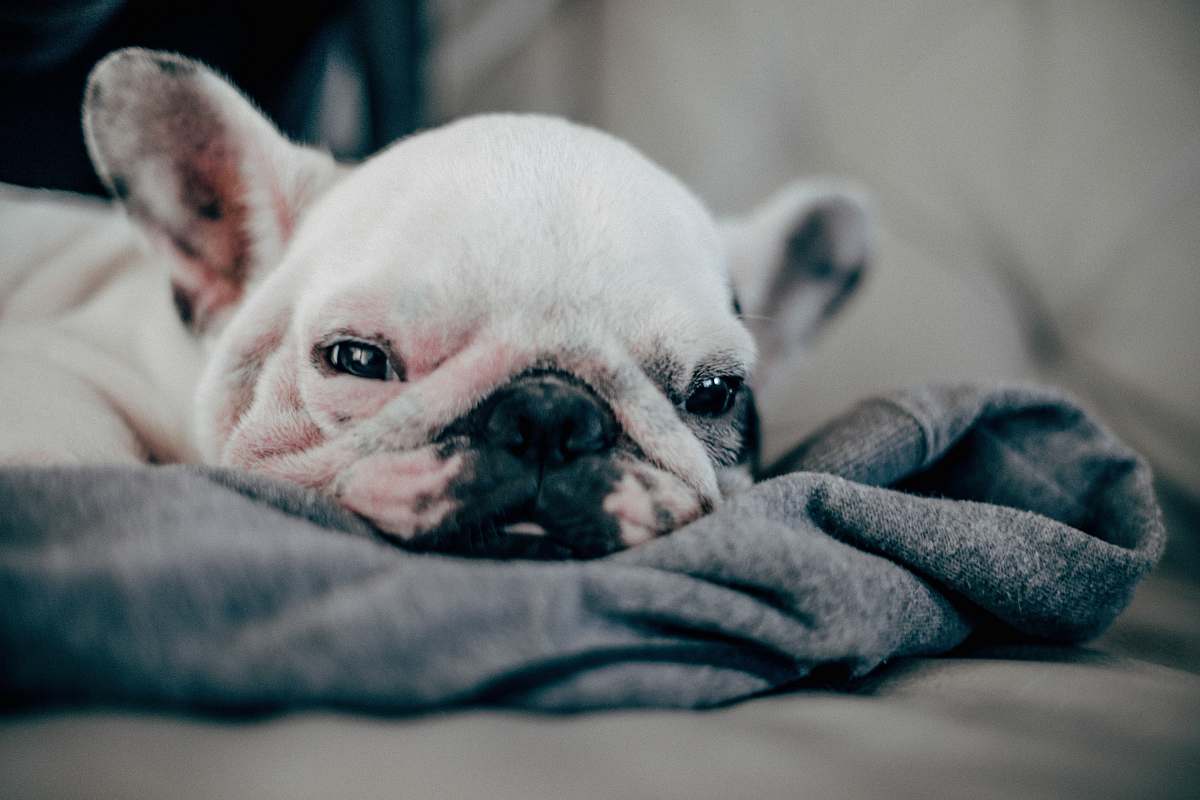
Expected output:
(94, 364)
(476, 251)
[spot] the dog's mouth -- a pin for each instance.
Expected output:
(508, 507)
(526, 530)
(518, 537)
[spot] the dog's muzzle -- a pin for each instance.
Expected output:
(542, 466)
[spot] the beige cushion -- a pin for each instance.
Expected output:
(1054, 143)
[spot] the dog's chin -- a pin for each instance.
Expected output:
(507, 510)
(490, 504)
(513, 536)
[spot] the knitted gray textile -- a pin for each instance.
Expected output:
(902, 527)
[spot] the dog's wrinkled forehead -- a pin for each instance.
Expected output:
(555, 232)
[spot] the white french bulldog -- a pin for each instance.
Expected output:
(509, 335)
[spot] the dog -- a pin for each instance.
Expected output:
(512, 334)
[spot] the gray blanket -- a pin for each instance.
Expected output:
(902, 528)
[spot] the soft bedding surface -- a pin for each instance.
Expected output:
(1037, 722)
(908, 524)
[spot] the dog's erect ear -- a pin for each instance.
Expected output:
(201, 170)
(795, 261)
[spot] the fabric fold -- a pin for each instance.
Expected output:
(899, 529)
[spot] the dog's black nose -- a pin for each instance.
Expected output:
(544, 419)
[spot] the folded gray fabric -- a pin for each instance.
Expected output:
(901, 528)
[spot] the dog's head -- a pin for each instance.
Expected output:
(509, 334)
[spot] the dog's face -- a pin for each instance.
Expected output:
(508, 335)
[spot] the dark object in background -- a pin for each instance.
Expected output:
(344, 75)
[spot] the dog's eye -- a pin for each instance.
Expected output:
(360, 360)
(712, 397)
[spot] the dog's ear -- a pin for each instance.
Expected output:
(796, 260)
(201, 170)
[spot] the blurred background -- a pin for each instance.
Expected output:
(1036, 164)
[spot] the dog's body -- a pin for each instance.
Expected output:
(95, 366)
(511, 329)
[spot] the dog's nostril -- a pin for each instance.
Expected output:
(507, 428)
(549, 421)
(585, 435)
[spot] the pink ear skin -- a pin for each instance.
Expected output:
(200, 170)
(199, 292)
